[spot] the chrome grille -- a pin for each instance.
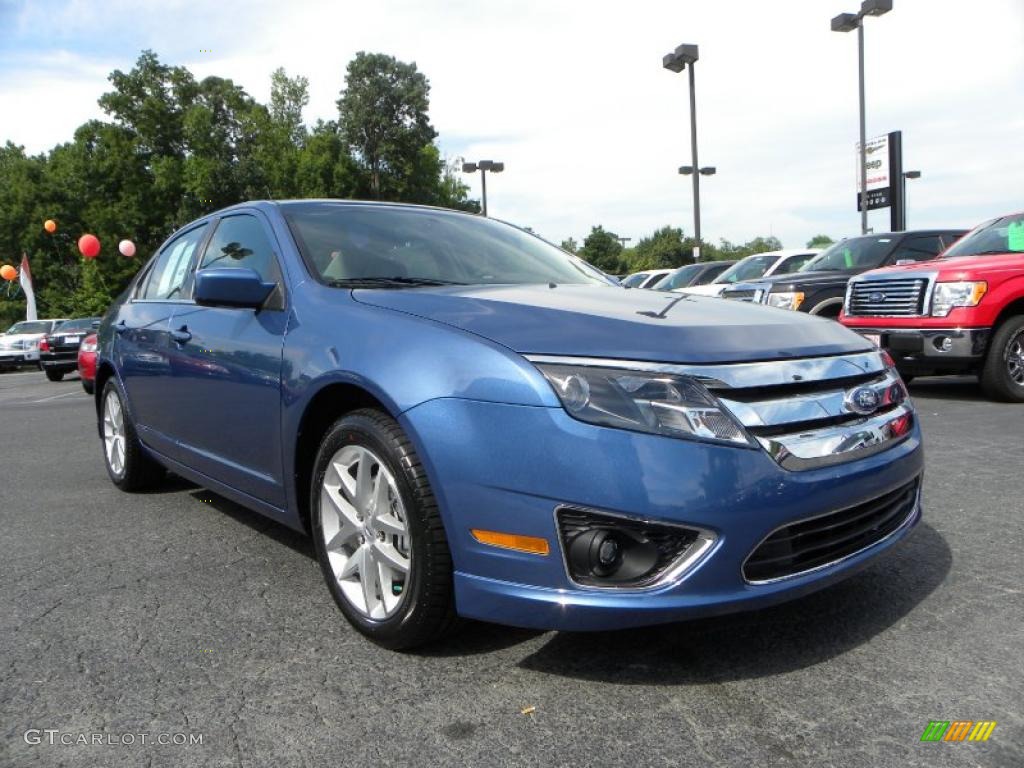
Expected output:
(887, 297)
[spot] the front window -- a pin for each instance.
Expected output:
(999, 236)
(31, 326)
(853, 255)
(383, 246)
(750, 268)
(634, 280)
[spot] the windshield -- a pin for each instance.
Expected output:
(392, 246)
(78, 324)
(634, 280)
(852, 255)
(749, 268)
(678, 279)
(30, 326)
(1003, 235)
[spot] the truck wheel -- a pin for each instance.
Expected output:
(1002, 377)
(378, 533)
(53, 375)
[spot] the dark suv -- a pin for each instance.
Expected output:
(58, 350)
(820, 285)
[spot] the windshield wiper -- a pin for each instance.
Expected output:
(383, 282)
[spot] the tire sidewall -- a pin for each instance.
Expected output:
(117, 479)
(358, 429)
(997, 374)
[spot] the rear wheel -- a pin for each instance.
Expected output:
(1002, 376)
(53, 374)
(378, 533)
(129, 467)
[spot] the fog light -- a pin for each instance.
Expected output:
(609, 551)
(943, 343)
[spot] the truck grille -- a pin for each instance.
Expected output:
(887, 297)
(821, 541)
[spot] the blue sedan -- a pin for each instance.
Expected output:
(471, 422)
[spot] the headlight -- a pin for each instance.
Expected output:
(960, 294)
(660, 403)
(786, 299)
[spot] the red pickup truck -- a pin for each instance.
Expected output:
(961, 313)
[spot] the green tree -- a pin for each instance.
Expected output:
(383, 119)
(603, 249)
(570, 245)
(820, 241)
(663, 249)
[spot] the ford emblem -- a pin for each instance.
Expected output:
(876, 298)
(863, 400)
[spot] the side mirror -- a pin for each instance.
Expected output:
(241, 287)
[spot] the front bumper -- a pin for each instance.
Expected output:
(931, 348)
(18, 356)
(507, 468)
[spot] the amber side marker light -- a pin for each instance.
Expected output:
(529, 544)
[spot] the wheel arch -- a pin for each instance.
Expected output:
(824, 307)
(1012, 309)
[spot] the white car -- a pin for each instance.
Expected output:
(646, 279)
(756, 266)
(20, 345)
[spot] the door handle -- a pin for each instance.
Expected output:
(181, 335)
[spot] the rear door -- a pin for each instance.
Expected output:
(142, 344)
(226, 369)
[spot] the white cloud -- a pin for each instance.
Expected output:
(572, 97)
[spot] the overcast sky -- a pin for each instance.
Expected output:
(573, 98)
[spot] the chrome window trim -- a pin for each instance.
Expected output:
(742, 375)
(915, 510)
(676, 571)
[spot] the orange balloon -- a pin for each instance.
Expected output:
(8, 273)
(50, 226)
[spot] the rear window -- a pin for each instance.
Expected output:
(79, 324)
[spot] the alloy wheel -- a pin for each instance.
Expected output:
(365, 533)
(113, 432)
(1015, 358)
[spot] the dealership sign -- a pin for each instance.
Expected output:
(883, 165)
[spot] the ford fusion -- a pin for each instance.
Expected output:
(471, 422)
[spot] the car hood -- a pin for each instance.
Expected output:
(711, 289)
(807, 278)
(960, 264)
(629, 324)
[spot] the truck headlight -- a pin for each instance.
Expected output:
(786, 299)
(643, 401)
(959, 294)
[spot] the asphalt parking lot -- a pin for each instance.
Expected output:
(178, 612)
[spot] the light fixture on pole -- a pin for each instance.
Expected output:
(483, 166)
(676, 61)
(847, 22)
(903, 181)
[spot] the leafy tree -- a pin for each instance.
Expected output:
(820, 241)
(383, 119)
(603, 249)
(570, 245)
(663, 249)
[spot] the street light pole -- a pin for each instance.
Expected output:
(676, 62)
(907, 175)
(847, 22)
(483, 166)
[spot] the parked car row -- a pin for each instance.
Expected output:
(20, 344)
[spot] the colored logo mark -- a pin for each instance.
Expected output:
(958, 730)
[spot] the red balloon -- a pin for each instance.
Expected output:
(89, 245)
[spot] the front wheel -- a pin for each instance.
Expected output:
(378, 533)
(129, 467)
(1002, 376)
(53, 374)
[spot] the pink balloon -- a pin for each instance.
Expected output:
(127, 248)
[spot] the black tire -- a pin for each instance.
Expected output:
(88, 386)
(427, 610)
(996, 378)
(53, 374)
(907, 377)
(139, 472)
